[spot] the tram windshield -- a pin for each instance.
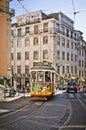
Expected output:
(41, 76)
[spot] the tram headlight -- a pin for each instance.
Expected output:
(39, 89)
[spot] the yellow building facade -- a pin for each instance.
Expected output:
(5, 36)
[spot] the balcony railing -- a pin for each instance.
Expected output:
(49, 30)
(6, 10)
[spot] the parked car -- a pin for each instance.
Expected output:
(64, 86)
(71, 86)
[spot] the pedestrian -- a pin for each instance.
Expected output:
(28, 87)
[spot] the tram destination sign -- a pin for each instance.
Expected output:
(42, 63)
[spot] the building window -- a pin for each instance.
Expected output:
(58, 55)
(58, 40)
(19, 69)
(12, 43)
(45, 27)
(27, 30)
(45, 39)
(71, 34)
(79, 63)
(71, 57)
(75, 69)
(63, 55)
(75, 58)
(58, 69)
(79, 73)
(19, 56)
(85, 73)
(12, 32)
(75, 46)
(63, 30)
(19, 32)
(26, 55)
(67, 69)
(82, 73)
(36, 29)
(12, 69)
(27, 42)
(67, 56)
(63, 42)
(82, 63)
(80, 52)
(35, 41)
(67, 43)
(45, 54)
(26, 69)
(57, 27)
(63, 69)
(85, 63)
(72, 69)
(35, 55)
(18, 43)
(67, 33)
(11, 56)
(71, 45)
(19, 21)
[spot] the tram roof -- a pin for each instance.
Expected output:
(43, 66)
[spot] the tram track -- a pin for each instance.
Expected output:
(68, 121)
(20, 114)
(65, 119)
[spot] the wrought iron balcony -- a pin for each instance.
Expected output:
(52, 31)
(6, 10)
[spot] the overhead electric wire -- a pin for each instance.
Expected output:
(74, 10)
(22, 6)
(81, 11)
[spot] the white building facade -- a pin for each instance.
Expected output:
(37, 37)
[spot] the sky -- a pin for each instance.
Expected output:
(68, 7)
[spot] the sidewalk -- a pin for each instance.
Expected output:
(18, 95)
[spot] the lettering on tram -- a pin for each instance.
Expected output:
(43, 79)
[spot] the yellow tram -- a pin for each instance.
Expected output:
(43, 79)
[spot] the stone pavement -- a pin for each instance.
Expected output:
(18, 95)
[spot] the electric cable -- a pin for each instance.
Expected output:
(22, 5)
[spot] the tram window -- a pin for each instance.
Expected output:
(47, 76)
(33, 76)
(40, 76)
(52, 77)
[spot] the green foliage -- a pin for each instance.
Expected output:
(5, 79)
(2, 81)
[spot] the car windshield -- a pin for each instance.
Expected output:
(71, 84)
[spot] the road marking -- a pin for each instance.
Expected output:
(49, 117)
(81, 102)
(3, 110)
